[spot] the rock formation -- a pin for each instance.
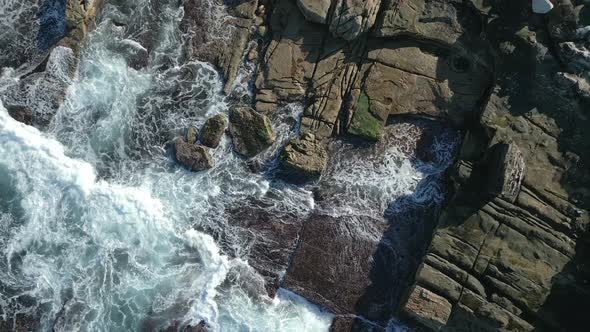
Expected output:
(251, 131)
(509, 244)
(194, 157)
(213, 130)
(303, 159)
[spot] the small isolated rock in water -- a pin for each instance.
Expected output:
(542, 6)
(506, 171)
(251, 131)
(213, 130)
(194, 157)
(191, 135)
(303, 159)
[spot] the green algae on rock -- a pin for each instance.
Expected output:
(364, 124)
(251, 131)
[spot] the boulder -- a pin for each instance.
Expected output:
(194, 157)
(303, 159)
(213, 130)
(428, 308)
(353, 17)
(251, 131)
(542, 6)
(506, 170)
(315, 11)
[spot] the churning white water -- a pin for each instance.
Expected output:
(97, 221)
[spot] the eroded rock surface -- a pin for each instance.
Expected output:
(213, 130)
(251, 131)
(194, 157)
(303, 159)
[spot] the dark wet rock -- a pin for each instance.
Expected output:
(36, 97)
(356, 265)
(213, 130)
(333, 263)
(251, 131)
(20, 323)
(354, 323)
(194, 157)
(220, 41)
(303, 159)
(21, 114)
(178, 327)
(52, 23)
(271, 235)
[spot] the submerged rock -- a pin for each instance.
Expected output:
(213, 130)
(303, 159)
(194, 157)
(251, 131)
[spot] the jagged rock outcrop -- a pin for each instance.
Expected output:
(35, 98)
(192, 156)
(251, 131)
(303, 159)
(221, 38)
(506, 170)
(506, 247)
(213, 130)
(505, 262)
(353, 17)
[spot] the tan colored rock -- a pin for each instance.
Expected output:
(195, 157)
(428, 308)
(353, 17)
(303, 159)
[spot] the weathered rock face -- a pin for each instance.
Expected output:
(505, 262)
(251, 131)
(428, 308)
(194, 157)
(315, 11)
(35, 98)
(506, 171)
(221, 42)
(213, 130)
(336, 273)
(303, 159)
(353, 17)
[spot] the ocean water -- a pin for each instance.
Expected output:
(97, 221)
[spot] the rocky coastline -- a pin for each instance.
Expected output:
(508, 246)
(507, 251)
